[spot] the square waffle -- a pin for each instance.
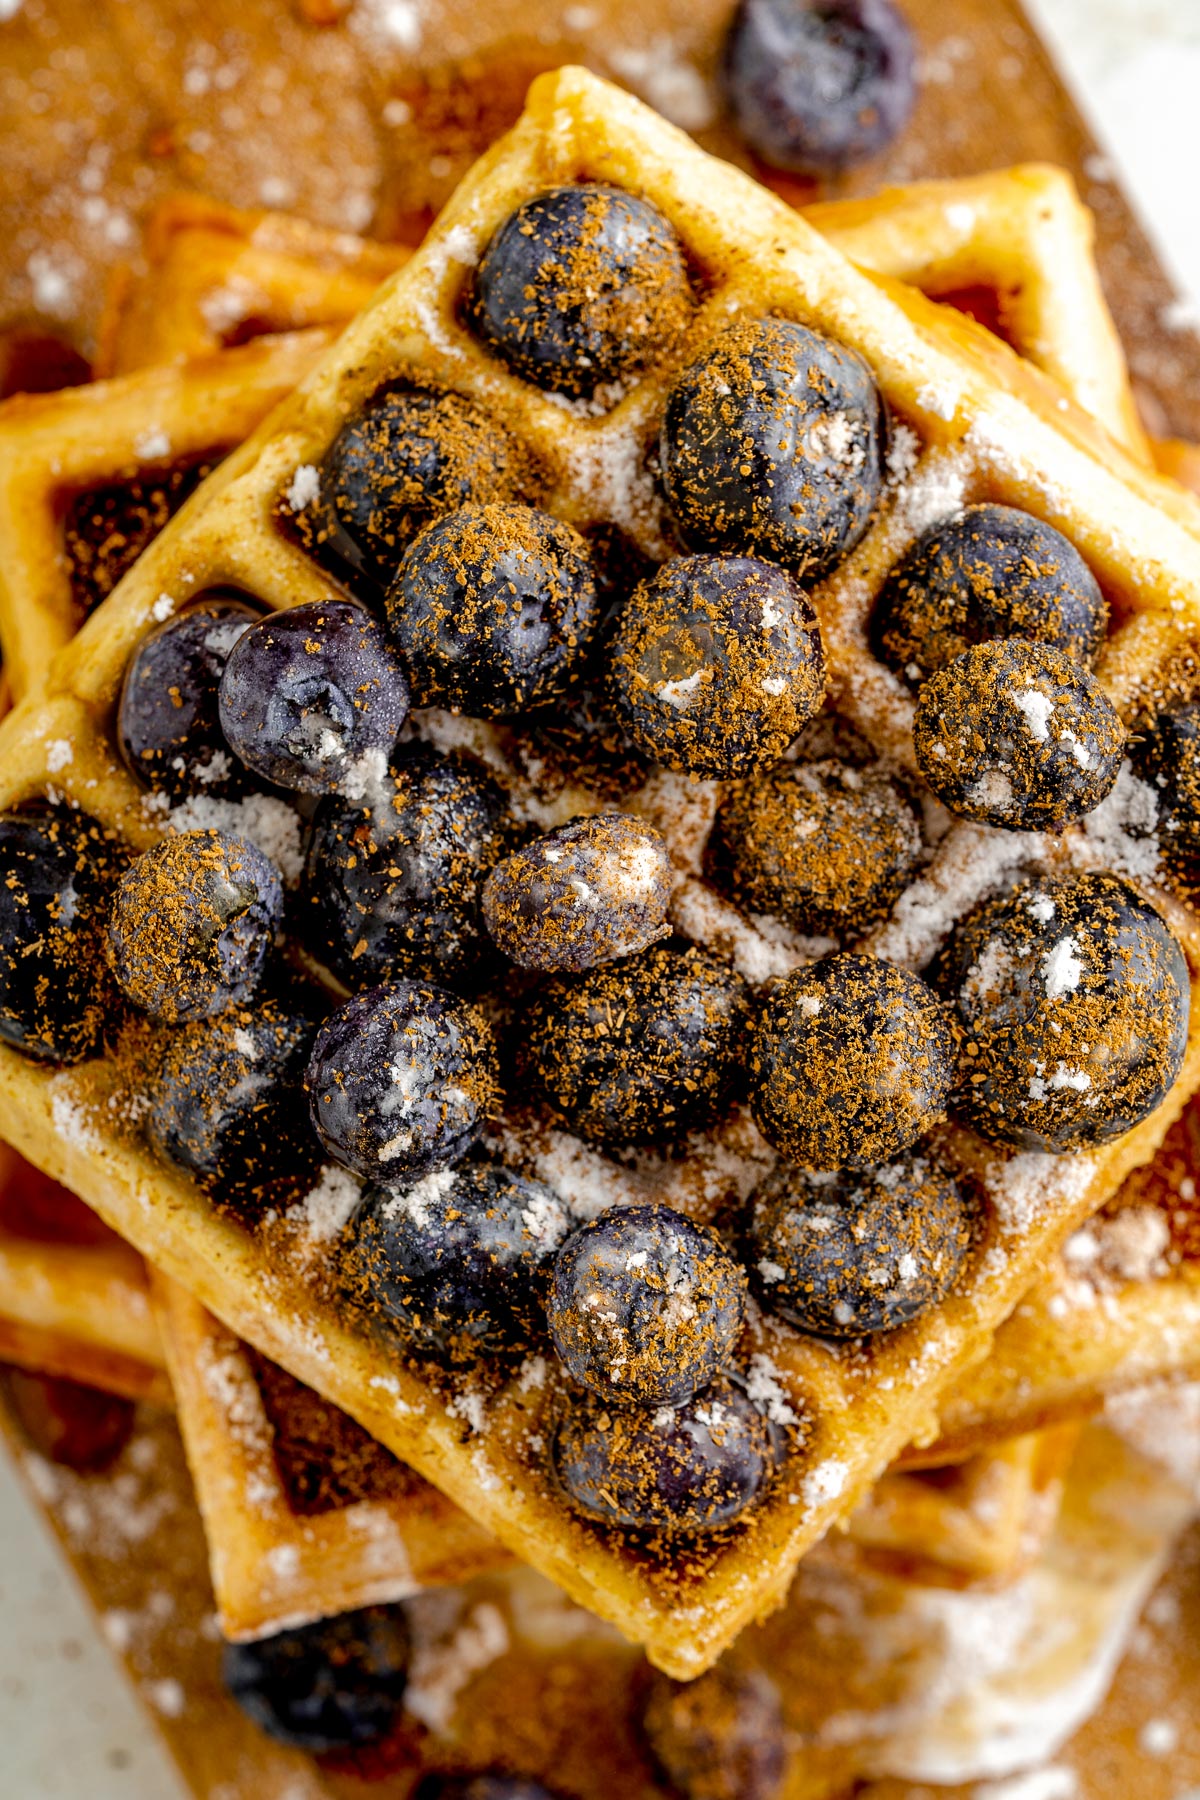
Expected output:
(988, 426)
(305, 1515)
(215, 276)
(86, 474)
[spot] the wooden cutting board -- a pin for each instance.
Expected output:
(990, 96)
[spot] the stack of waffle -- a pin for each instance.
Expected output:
(941, 1580)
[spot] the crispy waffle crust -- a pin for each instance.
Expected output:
(147, 430)
(304, 1514)
(991, 428)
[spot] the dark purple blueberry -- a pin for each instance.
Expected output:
(645, 1306)
(1072, 1003)
(640, 1050)
(330, 1686)
(1165, 758)
(581, 286)
(716, 664)
(773, 445)
(168, 724)
(721, 1737)
(493, 608)
(192, 923)
(819, 85)
(313, 698)
(405, 459)
(1019, 736)
(226, 1103)
(56, 879)
(846, 1254)
(821, 845)
(587, 893)
(671, 1469)
(392, 885)
(480, 1787)
(851, 1061)
(989, 572)
(401, 1080)
(459, 1264)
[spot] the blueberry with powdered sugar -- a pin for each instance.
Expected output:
(773, 445)
(716, 663)
(168, 720)
(332, 1685)
(1019, 736)
(989, 572)
(580, 286)
(393, 881)
(1071, 997)
(404, 459)
(1165, 756)
(822, 845)
(686, 1469)
(192, 923)
(401, 1080)
(226, 1103)
(817, 86)
(851, 1061)
(493, 609)
(847, 1254)
(645, 1306)
(314, 698)
(57, 871)
(458, 1264)
(640, 1050)
(589, 892)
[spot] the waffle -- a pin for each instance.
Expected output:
(304, 1514)
(215, 276)
(70, 461)
(990, 426)
(73, 1295)
(1121, 1309)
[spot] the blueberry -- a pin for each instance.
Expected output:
(589, 892)
(314, 698)
(479, 1787)
(167, 721)
(329, 1686)
(405, 459)
(821, 845)
(672, 1469)
(819, 85)
(400, 1081)
(1017, 735)
(851, 1060)
(717, 662)
(1165, 756)
(721, 1737)
(226, 1103)
(56, 877)
(493, 607)
(392, 885)
(990, 572)
(457, 1264)
(192, 923)
(1072, 1000)
(645, 1306)
(581, 286)
(641, 1050)
(773, 445)
(848, 1254)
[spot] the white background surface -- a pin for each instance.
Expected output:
(69, 1726)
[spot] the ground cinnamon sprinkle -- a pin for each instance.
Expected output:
(325, 1459)
(106, 529)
